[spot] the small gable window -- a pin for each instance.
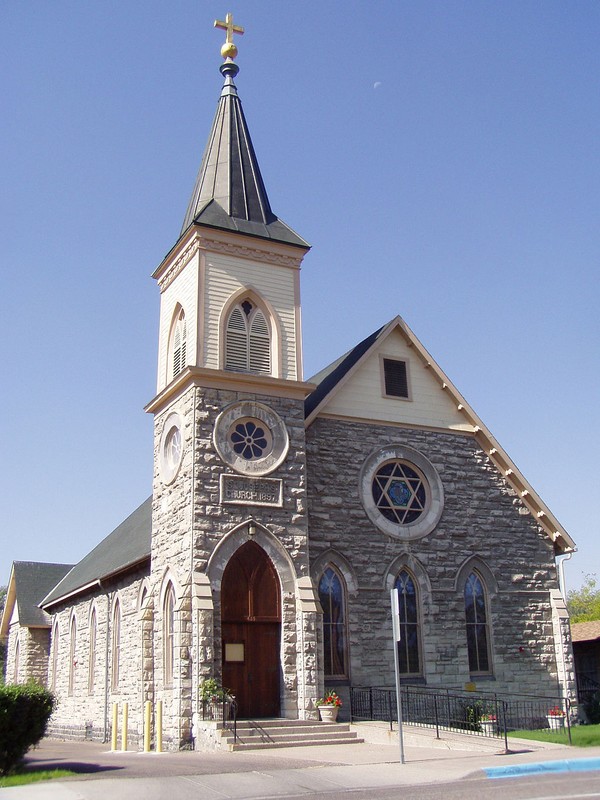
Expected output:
(395, 378)
(247, 340)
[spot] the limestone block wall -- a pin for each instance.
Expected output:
(83, 683)
(482, 520)
(33, 648)
(194, 535)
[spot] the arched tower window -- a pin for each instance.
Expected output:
(332, 596)
(169, 634)
(409, 646)
(476, 613)
(116, 645)
(92, 652)
(72, 653)
(178, 344)
(247, 339)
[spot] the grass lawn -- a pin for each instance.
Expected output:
(582, 735)
(33, 776)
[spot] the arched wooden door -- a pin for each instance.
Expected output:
(251, 632)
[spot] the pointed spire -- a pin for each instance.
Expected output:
(229, 192)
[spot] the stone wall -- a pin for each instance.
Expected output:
(483, 524)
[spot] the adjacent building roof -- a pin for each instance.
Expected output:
(229, 192)
(127, 546)
(29, 582)
(585, 631)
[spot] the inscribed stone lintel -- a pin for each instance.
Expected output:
(241, 490)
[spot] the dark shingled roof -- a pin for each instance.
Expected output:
(328, 378)
(229, 192)
(33, 581)
(126, 546)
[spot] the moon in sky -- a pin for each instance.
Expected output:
(377, 84)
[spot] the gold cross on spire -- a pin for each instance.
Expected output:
(229, 50)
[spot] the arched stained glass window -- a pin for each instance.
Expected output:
(17, 664)
(55, 639)
(92, 652)
(72, 653)
(409, 660)
(116, 646)
(333, 601)
(168, 634)
(247, 340)
(477, 625)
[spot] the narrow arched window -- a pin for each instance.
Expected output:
(169, 634)
(55, 639)
(335, 635)
(409, 648)
(92, 652)
(247, 340)
(478, 639)
(72, 653)
(17, 665)
(179, 344)
(116, 646)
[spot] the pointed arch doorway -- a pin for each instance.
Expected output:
(251, 631)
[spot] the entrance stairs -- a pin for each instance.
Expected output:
(266, 734)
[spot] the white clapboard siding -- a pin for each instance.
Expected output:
(362, 396)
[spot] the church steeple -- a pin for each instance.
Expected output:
(229, 192)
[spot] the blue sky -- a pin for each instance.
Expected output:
(442, 158)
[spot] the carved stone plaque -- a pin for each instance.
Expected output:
(240, 490)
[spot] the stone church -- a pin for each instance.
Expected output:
(283, 511)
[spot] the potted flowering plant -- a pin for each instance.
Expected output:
(556, 718)
(214, 698)
(328, 706)
(487, 722)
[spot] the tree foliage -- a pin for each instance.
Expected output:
(584, 603)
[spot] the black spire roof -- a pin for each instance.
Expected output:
(229, 192)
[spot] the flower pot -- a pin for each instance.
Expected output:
(328, 713)
(487, 727)
(556, 723)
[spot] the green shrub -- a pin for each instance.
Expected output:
(24, 713)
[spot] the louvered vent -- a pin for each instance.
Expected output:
(395, 377)
(260, 345)
(236, 346)
(179, 346)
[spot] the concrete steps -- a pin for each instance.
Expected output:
(275, 733)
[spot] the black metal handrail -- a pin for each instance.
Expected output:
(481, 713)
(224, 710)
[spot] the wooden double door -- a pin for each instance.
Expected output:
(251, 632)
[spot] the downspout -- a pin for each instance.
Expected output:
(561, 574)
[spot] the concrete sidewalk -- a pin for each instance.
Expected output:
(275, 773)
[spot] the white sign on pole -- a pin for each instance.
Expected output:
(397, 638)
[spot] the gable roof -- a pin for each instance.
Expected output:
(29, 582)
(331, 380)
(585, 631)
(126, 547)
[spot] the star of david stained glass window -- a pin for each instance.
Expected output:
(399, 492)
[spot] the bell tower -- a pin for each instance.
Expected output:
(229, 446)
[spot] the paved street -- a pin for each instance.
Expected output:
(314, 771)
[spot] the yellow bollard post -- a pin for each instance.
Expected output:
(125, 723)
(159, 726)
(147, 716)
(115, 725)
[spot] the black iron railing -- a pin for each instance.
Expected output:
(222, 710)
(480, 714)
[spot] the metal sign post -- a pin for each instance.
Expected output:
(397, 638)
